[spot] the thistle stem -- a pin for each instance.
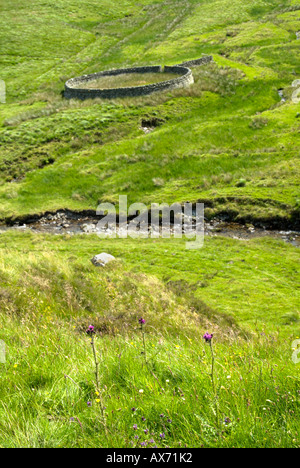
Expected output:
(97, 376)
(213, 383)
(144, 343)
(96, 363)
(212, 365)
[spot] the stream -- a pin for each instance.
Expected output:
(74, 223)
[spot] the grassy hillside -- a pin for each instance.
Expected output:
(229, 140)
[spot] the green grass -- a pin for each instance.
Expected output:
(50, 293)
(228, 140)
(129, 80)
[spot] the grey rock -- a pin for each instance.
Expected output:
(88, 228)
(102, 259)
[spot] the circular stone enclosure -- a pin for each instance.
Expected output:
(77, 88)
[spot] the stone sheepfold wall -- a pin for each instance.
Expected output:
(197, 62)
(74, 91)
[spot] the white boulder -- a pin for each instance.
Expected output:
(102, 259)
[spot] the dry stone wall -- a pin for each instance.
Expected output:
(73, 89)
(197, 62)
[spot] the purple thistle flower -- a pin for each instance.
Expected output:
(135, 427)
(142, 321)
(91, 330)
(207, 337)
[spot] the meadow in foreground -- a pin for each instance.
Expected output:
(51, 293)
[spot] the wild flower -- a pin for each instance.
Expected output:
(135, 427)
(169, 421)
(89, 403)
(133, 409)
(91, 330)
(146, 431)
(162, 435)
(142, 321)
(208, 337)
(162, 415)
